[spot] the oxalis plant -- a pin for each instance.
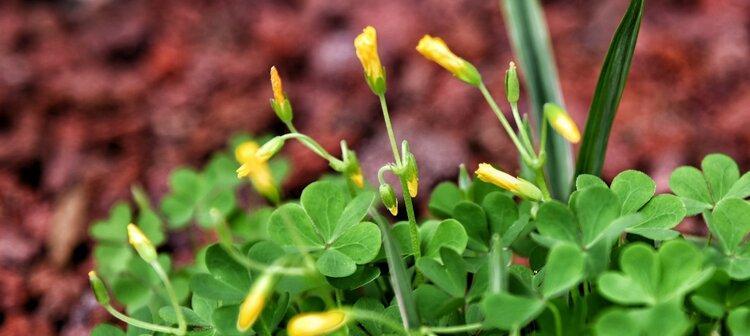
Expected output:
(555, 251)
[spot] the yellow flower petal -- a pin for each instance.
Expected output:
(366, 47)
(313, 324)
(278, 90)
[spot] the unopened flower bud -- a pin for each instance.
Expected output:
(279, 103)
(388, 197)
(100, 291)
(366, 47)
(353, 170)
(518, 186)
(255, 301)
(269, 149)
(140, 242)
(512, 90)
(435, 49)
(561, 122)
(314, 324)
(412, 175)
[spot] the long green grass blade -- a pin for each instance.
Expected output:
(608, 92)
(528, 31)
(399, 277)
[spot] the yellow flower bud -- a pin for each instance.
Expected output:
(141, 243)
(518, 186)
(279, 103)
(254, 302)
(313, 324)
(366, 47)
(435, 49)
(562, 122)
(357, 179)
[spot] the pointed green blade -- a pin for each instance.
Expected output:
(608, 92)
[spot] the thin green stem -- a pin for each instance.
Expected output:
(541, 182)
(291, 127)
(519, 124)
(499, 113)
(375, 317)
(413, 230)
(142, 324)
(181, 324)
(454, 329)
(389, 128)
(556, 316)
(314, 146)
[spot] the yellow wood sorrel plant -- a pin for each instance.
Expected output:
(602, 259)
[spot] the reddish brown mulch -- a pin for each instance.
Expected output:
(98, 95)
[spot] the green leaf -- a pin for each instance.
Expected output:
(634, 189)
(168, 315)
(324, 201)
(335, 264)
(225, 320)
(290, 225)
(556, 221)
(360, 242)
(448, 233)
(616, 322)
(178, 211)
(664, 319)
(721, 173)
(114, 229)
(584, 181)
(501, 212)
(443, 198)
(741, 188)
(658, 216)
(609, 88)
(738, 321)
(596, 209)
(564, 269)
(362, 276)
(450, 276)
(372, 305)
(225, 269)
(208, 287)
(434, 303)
(353, 213)
(708, 306)
(107, 330)
(531, 43)
(691, 186)
(507, 311)
(730, 223)
(474, 221)
(651, 278)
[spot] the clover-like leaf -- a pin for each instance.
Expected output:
(501, 211)
(450, 275)
(114, 229)
(689, 184)
(474, 220)
(329, 225)
(508, 312)
(738, 321)
(448, 233)
(634, 189)
(564, 269)
(596, 208)
(556, 221)
(444, 197)
(223, 268)
(662, 319)
(721, 173)
(650, 277)
(584, 181)
(659, 216)
(730, 223)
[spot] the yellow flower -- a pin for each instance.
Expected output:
(255, 169)
(140, 242)
(562, 122)
(518, 186)
(313, 324)
(278, 90)
(435, 49)
(254, 302)
(366, 47)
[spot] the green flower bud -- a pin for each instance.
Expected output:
(528, 190)
(388, 196)
(140, 242)
(100, 291)
(512, 91)
(279, 103)
(464, 180)
(269, 149)
(412, 175)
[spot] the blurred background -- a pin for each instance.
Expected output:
(98, 95)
